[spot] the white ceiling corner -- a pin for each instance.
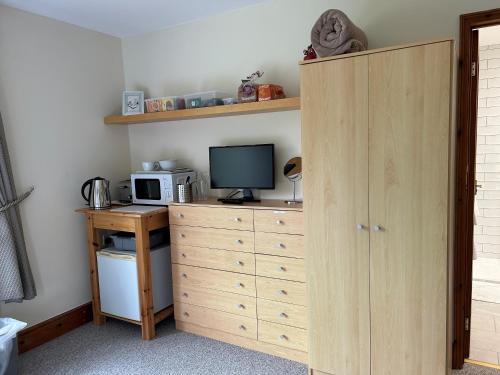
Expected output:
(124, 18)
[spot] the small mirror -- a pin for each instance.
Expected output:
(293, 171)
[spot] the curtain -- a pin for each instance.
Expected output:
(16, 280)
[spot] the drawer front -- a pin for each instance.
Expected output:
(281, 290)
(216, 300)
(283, 313)
(237, 240)
(212, 217)
(280, 267)
(279, 334)
(286, 245)
(194, 277)
(219, 320)
(276, 221)
(225, 260)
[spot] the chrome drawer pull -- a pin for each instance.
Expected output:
(284, 315)
(282, 269)
(182, 235)
(183, 255)
(180, 216)
(281, 245)
(283, 292)
(239, 242)
(184, 275)
(185, 294)
(240, 285)
(280, 222)
(243, 328)
(241, 306)
(284, 337)
(239, 263)
(237, 219)
(186, 313)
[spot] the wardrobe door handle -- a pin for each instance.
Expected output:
(378, 228)
(284, 315)
(360, 226)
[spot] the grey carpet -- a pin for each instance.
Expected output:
(116, 348)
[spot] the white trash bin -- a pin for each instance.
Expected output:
(8, 345)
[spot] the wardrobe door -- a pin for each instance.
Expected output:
(409, 95)
(335, 155)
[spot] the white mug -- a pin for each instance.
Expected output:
(149, 165)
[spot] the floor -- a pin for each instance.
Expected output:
(485, 332)
(116, 348)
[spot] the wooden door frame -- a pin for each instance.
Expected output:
(465, 179)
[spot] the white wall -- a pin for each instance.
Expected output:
(57, 81)
(215, 53)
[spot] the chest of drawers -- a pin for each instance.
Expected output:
(238, 274)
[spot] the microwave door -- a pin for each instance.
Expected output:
(148, 189)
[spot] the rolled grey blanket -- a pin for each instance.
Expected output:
(335, 34)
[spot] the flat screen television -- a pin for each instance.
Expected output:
(242, 167)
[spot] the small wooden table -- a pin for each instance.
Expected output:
(140, 224)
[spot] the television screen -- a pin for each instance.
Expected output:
(242, 167)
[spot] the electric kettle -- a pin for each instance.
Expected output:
(98, 197)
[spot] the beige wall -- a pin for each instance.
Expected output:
(487, 230)
(57, 81)
(215, 53)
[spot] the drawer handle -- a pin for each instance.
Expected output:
(284, 337)
(284, 315)
(180, 216)
(185, 295)
(280, 222)
(282, 268)
(184, 275)
(186, 313)
(239, 242)
(237, 219)
(182, 235)
(282, 291)
(183, 255)
(239, 263)
(241, 306)
(240, 285)
(281, 245)
(243, 328)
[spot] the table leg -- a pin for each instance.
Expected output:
(93, 244)
(144, 275)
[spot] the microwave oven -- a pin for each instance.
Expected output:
(157, 187)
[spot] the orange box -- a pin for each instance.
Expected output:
(270, 92)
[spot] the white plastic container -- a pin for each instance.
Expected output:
(204, 99)
(119, 284)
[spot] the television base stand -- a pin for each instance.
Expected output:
(247, 197)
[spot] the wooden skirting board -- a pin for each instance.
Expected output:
(43, 332)
(260, 346)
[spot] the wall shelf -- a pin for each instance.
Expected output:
(278, 105)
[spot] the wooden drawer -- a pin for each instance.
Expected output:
(237, 240)
(279, 334)
(194, 277)
(281, 290)
(287, 245)
(212, 217)
(226, 260)
(280, 267)
(276, 221)
(216, 300)
(219, 320)
(283, 313)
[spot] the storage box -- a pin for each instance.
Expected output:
(126, 240)
(204, 99)
(270, 92)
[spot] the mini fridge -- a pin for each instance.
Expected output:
(119, 286)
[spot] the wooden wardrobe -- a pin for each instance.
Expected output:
(376, 149)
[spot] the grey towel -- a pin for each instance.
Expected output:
(335, 34)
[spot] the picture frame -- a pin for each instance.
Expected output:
(132, 103)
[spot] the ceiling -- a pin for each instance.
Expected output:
(123, 18)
